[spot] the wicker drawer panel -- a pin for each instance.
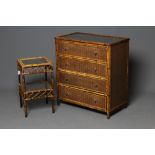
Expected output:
(83, 97)
(82, 81)
(82, 66)
(81, 49)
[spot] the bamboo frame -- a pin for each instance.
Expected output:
(82, 74)
(109, 82)
(37, 93)
(83, 59)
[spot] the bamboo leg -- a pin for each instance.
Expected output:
(53, 106)
(25, 108)
(21, 104)
(45, 73)
(58, 102)
(57, 96)
(19, 81)
(46, 100)
(108, 115)
(46, 80)
(108, 107)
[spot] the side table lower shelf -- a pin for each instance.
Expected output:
(34, 91)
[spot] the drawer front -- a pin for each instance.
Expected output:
(94, 84)
(82, 66)
(82, 49)
(84, 98)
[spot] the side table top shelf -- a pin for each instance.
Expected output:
(35, 65)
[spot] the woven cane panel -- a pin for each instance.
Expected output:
(33, 70)
(84, 50)
(94, 84)
(87, 98)
(82, 66)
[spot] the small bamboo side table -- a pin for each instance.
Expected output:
(36, 89)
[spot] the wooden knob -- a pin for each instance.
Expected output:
(96, 86)
(67, 94)
(66, 65)
(95, 53)
(66, 80)
(63, 48)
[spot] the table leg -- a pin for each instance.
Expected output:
(46, 100)
(53, 105)
(25, 108)
(46, 80)
(21, 104)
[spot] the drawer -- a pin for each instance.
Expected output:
(94, 84)
(82, 49)
(82, 97)
(83, 66)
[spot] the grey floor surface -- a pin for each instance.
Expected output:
(140, 114)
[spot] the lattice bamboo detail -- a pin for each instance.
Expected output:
(35, 70)
(39, 94)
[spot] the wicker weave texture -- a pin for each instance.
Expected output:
(95, 84)
(35, 70)
(81, 96)
(83, 50)
(84, 66)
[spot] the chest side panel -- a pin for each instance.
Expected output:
(119, 74)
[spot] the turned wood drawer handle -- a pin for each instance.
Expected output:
(95, 53)
(67, 94)
(66, 65)
(63, 48)
(95, 101)
(95, 70)
(96, 86)
(66, 80)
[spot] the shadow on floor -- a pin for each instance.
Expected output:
(136, 70)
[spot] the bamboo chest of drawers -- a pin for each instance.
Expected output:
(92, 71)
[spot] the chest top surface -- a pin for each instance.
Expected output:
(86, 37)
